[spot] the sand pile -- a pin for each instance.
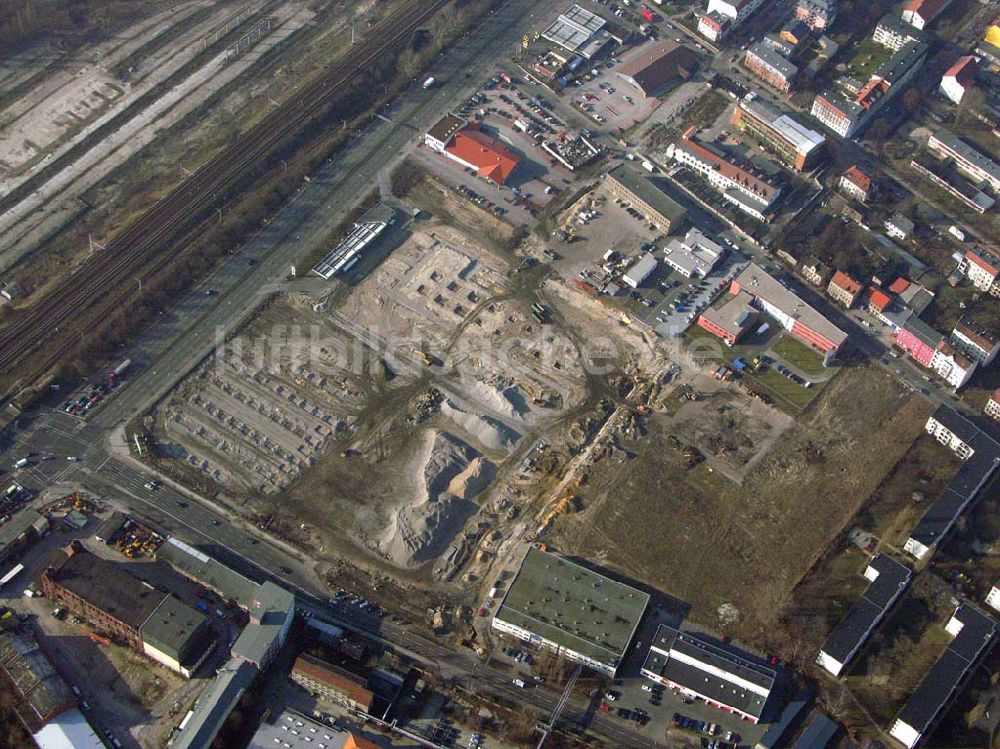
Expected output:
(504, 399)
(449, 474)
(487, 431)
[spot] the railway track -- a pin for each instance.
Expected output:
(82, 297)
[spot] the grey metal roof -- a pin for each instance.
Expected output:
(649, 193)
(942, 682)
(962, 149)
(216, 702)
(573, 606)
(852, 632)
(975, 471)
(770, 57)
(818, 734)
(711, 668)
(177, 629)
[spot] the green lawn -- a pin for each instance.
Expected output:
(784, 392)
(868, 56)
(797, 354)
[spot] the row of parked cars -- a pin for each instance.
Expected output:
(704, 726)
(783, 370)
(479, 200)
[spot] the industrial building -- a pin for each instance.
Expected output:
(695, 256)
(888, 579)
(332, 683)
(659, 68)
(177, 636)
(969, 161)
(702, 667)
(346, 254)
(291, 729)
(793, 314)
(573, 611)
(973, 633)
(731, 320)
(578, 31)
(464, 144)
(272, 610)
(640, 270)
(980, 455)
(792, 142)
(746, 191)
(19, 533)
(818, 734)
(643, 195)
(129, 610)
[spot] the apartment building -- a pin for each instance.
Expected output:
(893, 33)
(816, 14)
(975, 341)
(769, 66)
(856, 184)
(843, 289)
(982, 269)
(967, 159)
(792, 142)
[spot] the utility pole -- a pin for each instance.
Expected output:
(92, 244)
(137, 278)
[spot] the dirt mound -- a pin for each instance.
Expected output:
(449, 474)
(491, 433)
(473, 480)
(503, 398)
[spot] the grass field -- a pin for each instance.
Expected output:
(798, 355)
(694, 534)
(783, 392)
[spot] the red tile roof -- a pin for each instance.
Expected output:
(353, 742)
(963, 71)
(878, 298)
(899, 285)
(858, 178)
(340, 679)
(731, 171)
(491, 157)
(843, 281)
(982, 262)
(926, 8)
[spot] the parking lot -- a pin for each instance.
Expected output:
(607, 99)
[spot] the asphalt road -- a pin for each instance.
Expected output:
(188, 331)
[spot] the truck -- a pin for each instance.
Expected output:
(519, 683)
(429, 82)
(648, 166)
(956, 233)
(647, 15)
(21, 463)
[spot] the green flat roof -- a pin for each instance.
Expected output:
(572, 606)
(649, 192)
(176, 629)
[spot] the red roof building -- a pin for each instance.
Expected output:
(878, 300)
(856, 183)
(919, 13)
(489, 157)
(959, 78)
(844, 289)
(899, 285)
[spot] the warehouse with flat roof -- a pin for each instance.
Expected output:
(700, 666)
(643, 195)
(566, 608)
